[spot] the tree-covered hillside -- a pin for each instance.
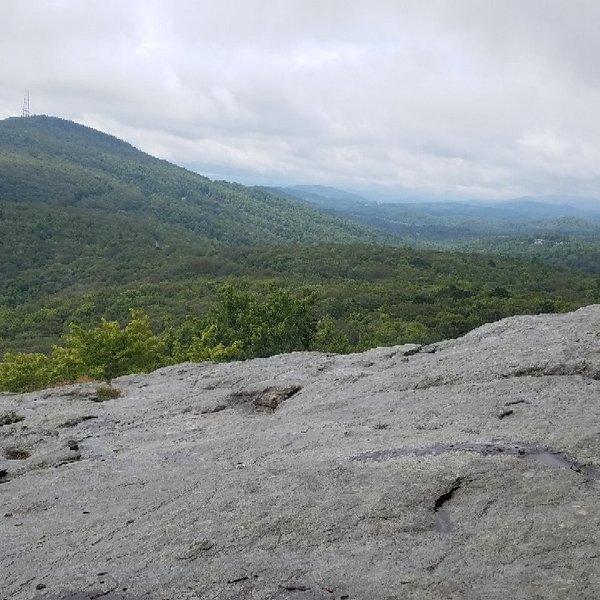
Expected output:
(367, 295)
(556, 234)
(50, 161)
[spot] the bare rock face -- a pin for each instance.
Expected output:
(469, 469)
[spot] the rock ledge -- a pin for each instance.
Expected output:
(467, 469)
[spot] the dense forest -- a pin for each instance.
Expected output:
(113, 261)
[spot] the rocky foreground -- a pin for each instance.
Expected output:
(466, 469)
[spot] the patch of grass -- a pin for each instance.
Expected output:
(106, 392)
(10, 417)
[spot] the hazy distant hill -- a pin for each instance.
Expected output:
(324, 196)
(454, 222)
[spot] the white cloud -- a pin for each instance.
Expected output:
(457, 98)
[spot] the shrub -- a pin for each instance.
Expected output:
(103, 352)
(23, 372)
(107, 351)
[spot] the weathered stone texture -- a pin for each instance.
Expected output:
(469, 469)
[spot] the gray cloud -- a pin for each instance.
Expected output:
(451, 98)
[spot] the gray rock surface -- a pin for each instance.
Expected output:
(468, 469)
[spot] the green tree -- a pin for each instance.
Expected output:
(272, 323)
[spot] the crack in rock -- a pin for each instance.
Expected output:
(583, 368)
(77, 420)
(442, 521)
(264, 400)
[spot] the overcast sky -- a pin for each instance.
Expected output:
(433, 98)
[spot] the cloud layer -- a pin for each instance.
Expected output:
(444, 98)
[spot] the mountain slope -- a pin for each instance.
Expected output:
(79, 207)
(52, 161)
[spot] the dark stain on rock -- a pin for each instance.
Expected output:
(543, 455)
(295, 588)
(214, 409)
(93, 595)
(413, 351)
(77, 420)
(582, 368)
(74, 456)
(16, 453)
(447, 496)
(506, 413)
(238, 579)
(4, 476)
(513, 402)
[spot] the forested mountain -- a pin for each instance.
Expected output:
(50, 161)
(360, 296)
(80, 207)
(451, 220)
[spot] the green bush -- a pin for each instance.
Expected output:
(242, 325)
(102, 352)
(108, 351)
(275, 322)
(23, 372)
(206, 347)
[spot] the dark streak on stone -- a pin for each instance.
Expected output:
(4, 476)
(513, 402)
(214, 409)
(506, 413)
(540, 454)
(295, 588)
(77, 420)
(238, 580)
(447, 496)
(413, 351)
(110, 595)
(17, 453)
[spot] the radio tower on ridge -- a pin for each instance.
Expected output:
(25, 112)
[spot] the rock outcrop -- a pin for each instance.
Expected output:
(466, 469)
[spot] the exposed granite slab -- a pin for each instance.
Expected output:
(468, 469)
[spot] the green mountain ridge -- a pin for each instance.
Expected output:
(53, 161)
(72, 198)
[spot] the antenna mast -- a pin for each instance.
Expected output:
(25, 112)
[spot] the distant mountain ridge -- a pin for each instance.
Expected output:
(527, 207)
(442, 222)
